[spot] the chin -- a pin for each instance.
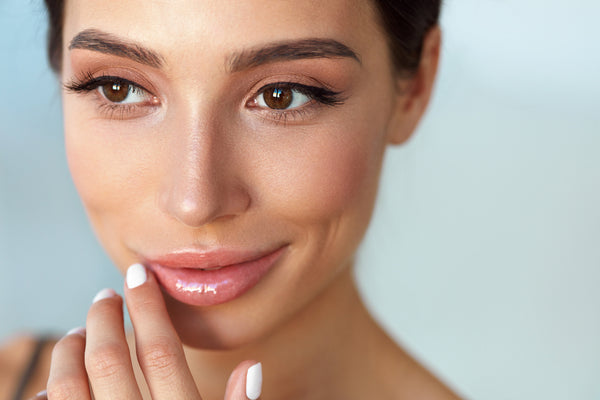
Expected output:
(227, 326)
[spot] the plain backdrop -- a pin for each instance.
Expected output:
(483, 258)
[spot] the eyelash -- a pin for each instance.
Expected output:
(318, 96)
(88, 83)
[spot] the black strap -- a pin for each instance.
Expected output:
(27, 374)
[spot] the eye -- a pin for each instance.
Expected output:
(122, 92)
(281, 98)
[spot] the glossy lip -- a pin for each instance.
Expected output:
(205, 278)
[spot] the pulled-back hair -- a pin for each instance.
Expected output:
(406, 23)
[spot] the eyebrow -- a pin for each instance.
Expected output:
(289, 50)
(103, 42)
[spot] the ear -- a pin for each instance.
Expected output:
(413, 94)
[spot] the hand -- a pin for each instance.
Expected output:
(95, 362)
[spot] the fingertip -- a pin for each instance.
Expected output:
(104, 294)
(245, 382)
(136, 276)
(77, 331)
(254, 381)
(43, 395)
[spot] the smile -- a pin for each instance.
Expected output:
(211, 278)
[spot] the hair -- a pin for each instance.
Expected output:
(406, 23)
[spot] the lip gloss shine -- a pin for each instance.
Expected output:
(211, 278)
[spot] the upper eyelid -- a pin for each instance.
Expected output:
(315, 92)
(319, 93)
(294, 85)
(92, 83)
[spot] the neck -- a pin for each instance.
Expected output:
(326, 347)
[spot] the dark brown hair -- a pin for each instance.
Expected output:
(405, 21)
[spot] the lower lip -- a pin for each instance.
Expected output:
(207, 288)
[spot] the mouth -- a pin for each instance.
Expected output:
(203, 278)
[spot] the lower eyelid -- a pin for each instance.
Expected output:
(114, 111)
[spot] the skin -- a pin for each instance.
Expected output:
(199, 164)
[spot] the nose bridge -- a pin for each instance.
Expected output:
(200, 184)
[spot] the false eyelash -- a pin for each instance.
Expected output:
(87, 83)
(319, 94)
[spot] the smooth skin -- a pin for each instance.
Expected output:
(100, 354)
(199, 164)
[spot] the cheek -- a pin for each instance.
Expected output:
(323, 175)
(107, 168)
(99, 183)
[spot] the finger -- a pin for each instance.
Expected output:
(67, 379)
(158, 347)
(245, 382)
(107, 359)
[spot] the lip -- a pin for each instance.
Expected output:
(205, 278)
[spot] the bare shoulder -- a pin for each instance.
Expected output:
(15, 355)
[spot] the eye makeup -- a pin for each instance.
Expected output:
(117, 97)
(283, 102)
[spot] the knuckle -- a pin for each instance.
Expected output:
(160, 357)
(63, 389)
(106, 360)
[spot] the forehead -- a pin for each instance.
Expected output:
(170, 27)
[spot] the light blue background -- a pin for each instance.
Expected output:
(483, 258)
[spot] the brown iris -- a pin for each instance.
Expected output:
(115, 91)
(278, 98)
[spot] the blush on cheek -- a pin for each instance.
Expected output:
(92, 175)
(326, 179)
(106, 171)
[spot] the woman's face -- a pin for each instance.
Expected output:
(224, 131)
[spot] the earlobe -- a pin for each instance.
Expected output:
(414, 93)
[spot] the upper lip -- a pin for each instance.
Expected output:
(207, 259)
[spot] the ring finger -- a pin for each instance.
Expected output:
(107, 358)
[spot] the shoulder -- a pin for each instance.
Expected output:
(16, 353)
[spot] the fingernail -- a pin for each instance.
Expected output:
(104, 294)
(76, 331)
(42, 393)
(254, 381)
(136, 276)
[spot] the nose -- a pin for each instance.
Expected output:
(202, 184)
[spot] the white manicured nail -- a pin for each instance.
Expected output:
(104, 294)
(136, 276)
(254, 381)
(41, 394)
(76, 331)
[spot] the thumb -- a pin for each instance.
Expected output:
(245, 382)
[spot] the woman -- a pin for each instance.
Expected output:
(228, 156)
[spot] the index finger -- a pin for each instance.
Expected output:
(159, 350)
